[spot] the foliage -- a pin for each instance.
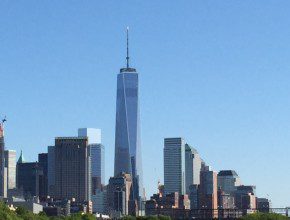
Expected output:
(153, 217)
(23, 214)
(264, 216)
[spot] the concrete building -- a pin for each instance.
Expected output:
(174, 165)
(119, 196)
(208, 198)
(192, 167)
(245, 197)
(72, 169)
(10, 164)
(228, 180)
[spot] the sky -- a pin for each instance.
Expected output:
(216, 73)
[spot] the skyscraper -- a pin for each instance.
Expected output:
(127, 133)
(94, 135)
(192, 167)
(72, 166)
(2, 164)
(27, 177)
(174, 165)
(208, 198)
(10, 163)
(228, 180)
(51, 170)
(97, 152)
(43, 179)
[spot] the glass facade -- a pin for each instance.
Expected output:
(174, 165)
(127, 134)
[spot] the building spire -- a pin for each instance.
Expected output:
(127, 58)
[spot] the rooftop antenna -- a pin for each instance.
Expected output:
(127, 58)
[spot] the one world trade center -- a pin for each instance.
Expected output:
(127, 134)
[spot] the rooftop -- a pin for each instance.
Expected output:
(227, 173)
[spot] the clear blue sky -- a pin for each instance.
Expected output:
(214, 72)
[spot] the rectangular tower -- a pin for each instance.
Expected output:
(174, 165)
(208, 198)
(43, 178)
(50, 170)
(97, 152)
(72, 168)
(10, 163)
(2, 169)
(27, 179)
(192, 167)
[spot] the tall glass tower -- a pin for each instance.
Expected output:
(127, 133)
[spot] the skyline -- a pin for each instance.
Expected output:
(225, 86)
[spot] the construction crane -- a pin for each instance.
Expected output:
(4, 120)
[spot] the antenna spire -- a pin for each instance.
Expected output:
(127, 58)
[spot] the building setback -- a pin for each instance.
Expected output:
(72, 169)
(192, 167)
(228, 181)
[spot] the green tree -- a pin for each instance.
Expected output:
(264, 216)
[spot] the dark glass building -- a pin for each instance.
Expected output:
(43, 179)
(2, 170)
(27, 177)
(72, 169)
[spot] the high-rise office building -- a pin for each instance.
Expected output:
(119, 195)
(27, 177)
(245, 197)
(208, 198)
(97, 155)
(192, 167)
(2, 164)
(97, 152)
(174, 165)
(10, 164)
(50, 170)
(72, 169)
(127, 133)
(228, 180)
(43, 178)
